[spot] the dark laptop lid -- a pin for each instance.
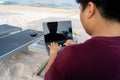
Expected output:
(57, 31)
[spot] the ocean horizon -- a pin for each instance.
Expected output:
(64, 4)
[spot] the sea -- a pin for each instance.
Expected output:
(64, 4)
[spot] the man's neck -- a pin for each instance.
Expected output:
(107, 28)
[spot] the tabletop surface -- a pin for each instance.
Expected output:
(8, 28)
(16, 42)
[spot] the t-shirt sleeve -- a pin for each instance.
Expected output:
(58, 69)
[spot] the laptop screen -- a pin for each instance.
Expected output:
(57, 31)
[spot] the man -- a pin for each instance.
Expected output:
(99, 57)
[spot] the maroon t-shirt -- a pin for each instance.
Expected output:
(96, 59)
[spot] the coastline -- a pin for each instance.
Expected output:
(38, 9)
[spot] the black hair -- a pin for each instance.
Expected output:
(109, 9)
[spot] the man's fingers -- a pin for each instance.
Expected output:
(53, 44)
(60, 45)
(49, 46)
(69, 42)
(66, 44)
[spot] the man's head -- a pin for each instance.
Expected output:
(52, 26)
(106, 9)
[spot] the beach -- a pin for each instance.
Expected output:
(24, 65)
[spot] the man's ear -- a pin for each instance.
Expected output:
(91, 9)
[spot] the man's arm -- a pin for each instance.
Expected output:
(54, 49)
(51, 60)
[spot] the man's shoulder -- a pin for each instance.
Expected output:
(82, 48)
(85, 44)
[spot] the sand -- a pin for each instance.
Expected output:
(24, 65)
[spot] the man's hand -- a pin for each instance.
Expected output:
(69, 42)
(54, 48)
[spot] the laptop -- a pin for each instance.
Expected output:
(57, 31)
